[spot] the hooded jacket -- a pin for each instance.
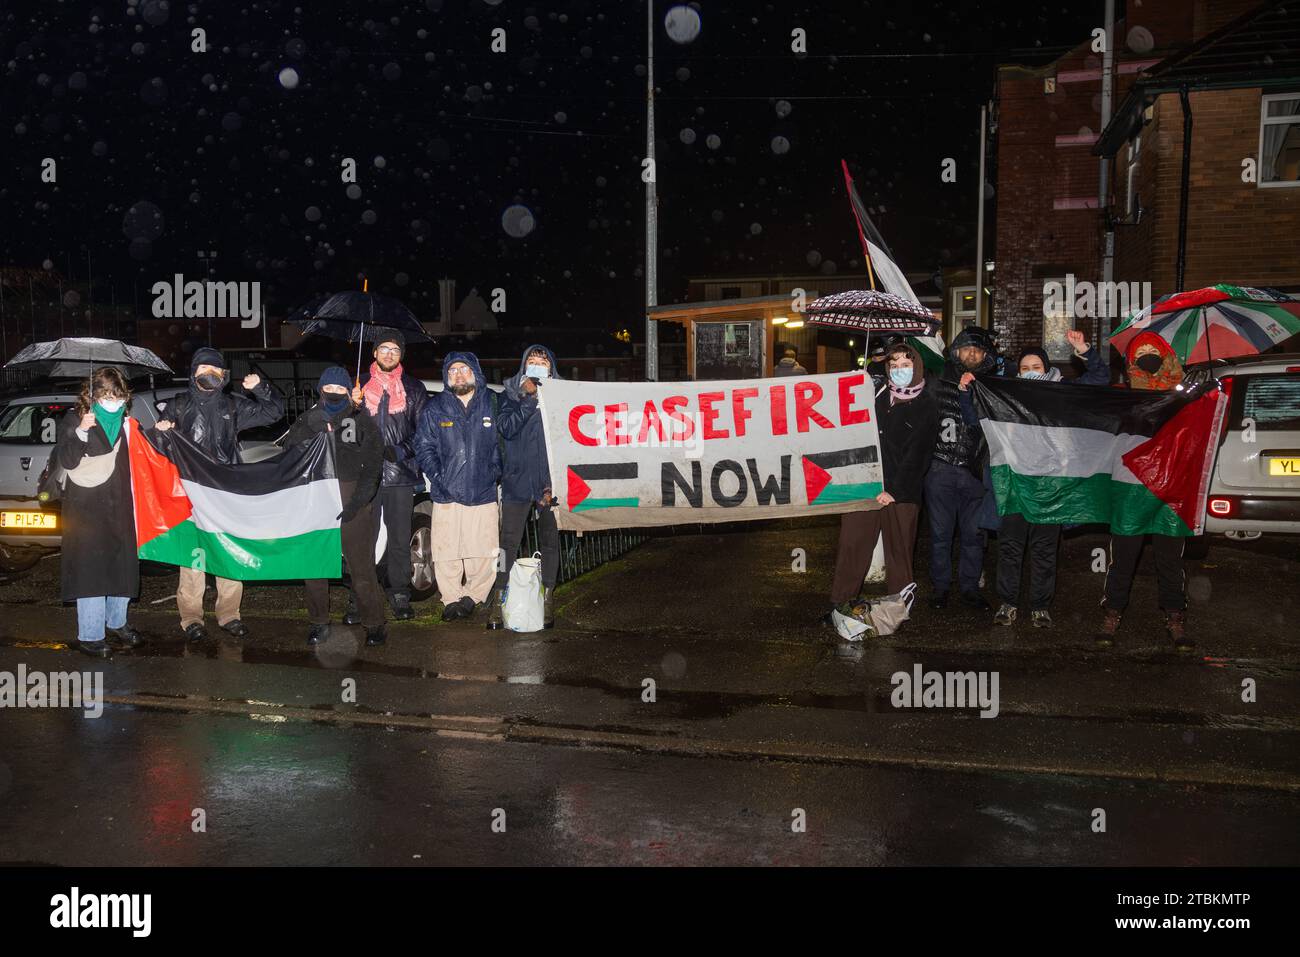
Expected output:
(213, 420)
(1166, 377)
(398, 431)
(966, 449)
(907, 435)
(526, 472)
(456, 445)
(358, 451)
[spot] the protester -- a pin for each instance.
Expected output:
(457, 448)
(526, 480)
(358, 462)
(789, 364)
(1015, 534)
(393, 398)
(1152, 364)
(907, 415)
(954, 488)
(212, 419)
(100, 570)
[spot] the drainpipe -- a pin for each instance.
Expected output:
(1182, 189)
(1103, 190)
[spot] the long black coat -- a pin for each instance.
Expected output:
(99, 551)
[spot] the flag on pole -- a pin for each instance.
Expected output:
(261, 521)
(1069, 454)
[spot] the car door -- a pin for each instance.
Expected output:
(28, 432)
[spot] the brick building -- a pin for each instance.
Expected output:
(1238, 60)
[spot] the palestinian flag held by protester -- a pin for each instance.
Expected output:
(261, 521)
(1070, 454)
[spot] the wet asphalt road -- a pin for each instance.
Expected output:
(756, 714)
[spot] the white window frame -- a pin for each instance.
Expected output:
(1266, 120)
(958, 319)
(1134, 157)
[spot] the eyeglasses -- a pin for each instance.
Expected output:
(388, 351)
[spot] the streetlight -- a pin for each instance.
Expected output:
(208, 258)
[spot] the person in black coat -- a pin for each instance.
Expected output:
(393, 398)
(99, 564)
(907, 416)
(526, 479)
(358, 462)
(212, 419)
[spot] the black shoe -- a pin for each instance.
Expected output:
(376, 636)
(236, 628)
(453, 611)
(353, 617)
(96, 649)
(402, 610)
(125, 637)
(939, 600)
(317, 634)
(975, 600)
(196, 632)
(467, 607)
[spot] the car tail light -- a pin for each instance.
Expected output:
(1221, 506)
(1293, 368)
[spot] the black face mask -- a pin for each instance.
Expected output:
(209, 381)
(334, 404)
(1149, 363)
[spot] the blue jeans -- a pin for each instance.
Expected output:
(94, 613)
(952, 498)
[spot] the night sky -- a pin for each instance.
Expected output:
(162, 151)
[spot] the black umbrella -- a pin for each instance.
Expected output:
(80, 357)
(357, 316)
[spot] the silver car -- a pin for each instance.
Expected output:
(1255, 486)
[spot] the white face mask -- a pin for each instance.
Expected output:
(536, 371)
(111, 406)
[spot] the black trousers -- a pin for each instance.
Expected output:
(1042, 542)
(398, 506)
(359, 550)
(514, 521)
(1126, 550)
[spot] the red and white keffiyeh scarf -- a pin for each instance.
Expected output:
(381, 382)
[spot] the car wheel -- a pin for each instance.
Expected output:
(423, 585)
(14, 560)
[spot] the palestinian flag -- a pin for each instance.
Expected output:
(269, 520)
(1069, 454)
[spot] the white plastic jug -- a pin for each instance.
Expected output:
(525, 606)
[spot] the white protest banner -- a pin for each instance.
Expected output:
(661, 453)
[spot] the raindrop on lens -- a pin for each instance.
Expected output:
(688, 136)
(518, 221)
(780, 145)
(289, 78)
(682, 24)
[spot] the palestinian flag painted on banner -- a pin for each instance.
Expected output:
(1069, 454)
(262, 521)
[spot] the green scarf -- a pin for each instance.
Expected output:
(110, 422)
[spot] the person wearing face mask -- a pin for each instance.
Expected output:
(393, 398)
(212, 419)
(98, 563)
(457, 446)
(358, 462)
(526, 479)
(954, 485)
(907, 415)
(1152, 365)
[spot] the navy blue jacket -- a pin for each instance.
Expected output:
(527, 471)
(456, 445)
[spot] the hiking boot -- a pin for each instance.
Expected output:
(376, 636)
(1006, 615)
(453, 611)
(1105, 636)
(96, 649)
(1175, 623)
(236, 628)
(401, 603)
(467, 606)
(548, 607)
(195, 631)
(1041, 619)
(495, 603)
(317, 633)
(975, 600)
(125, 637)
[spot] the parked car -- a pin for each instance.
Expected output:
(1255, 485)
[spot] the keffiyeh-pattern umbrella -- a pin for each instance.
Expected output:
(1217, 322)
(870, 310)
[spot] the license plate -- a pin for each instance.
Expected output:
(28, 520)
(1287, 467)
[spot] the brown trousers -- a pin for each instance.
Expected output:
(359, 549)
(189, 597)
(858, 531)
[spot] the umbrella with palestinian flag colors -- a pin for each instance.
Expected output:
(1217, 322)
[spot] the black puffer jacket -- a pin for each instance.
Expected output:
(398, 432)
(213, 420)
(961, 444)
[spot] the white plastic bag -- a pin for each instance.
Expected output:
(524, 608)
(872, 617)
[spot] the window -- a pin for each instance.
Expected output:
(1273, 402)
(730, 292)
(1279, 140)
(1058, 319)
(1134, 152)
(31, 423)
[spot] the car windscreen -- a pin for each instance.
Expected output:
(1272, 402)
(31, 423)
